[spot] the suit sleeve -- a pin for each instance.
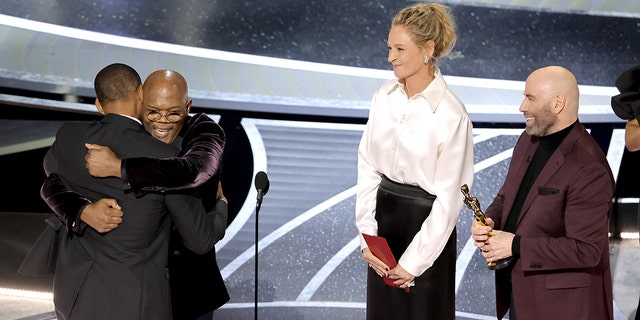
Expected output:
(195, 225)
(199, 159)
(65, 203)
(221, 214)
(494, 210)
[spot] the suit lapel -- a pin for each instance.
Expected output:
(553, 165)
(555, 162)
(518, 175)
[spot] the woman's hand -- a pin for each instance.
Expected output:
(401, 277)
(378, 266)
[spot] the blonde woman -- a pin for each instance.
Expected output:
(415, 153)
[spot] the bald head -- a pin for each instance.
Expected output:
(167, 81)
(166, 104)
(552, 99)
(561, 85)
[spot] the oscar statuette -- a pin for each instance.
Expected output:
(474, 204)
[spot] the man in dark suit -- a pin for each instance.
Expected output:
(551, 214)
(120, 274)
(197, 286)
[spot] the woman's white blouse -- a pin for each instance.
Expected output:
(425, 141)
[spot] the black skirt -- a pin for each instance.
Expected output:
(400, 211)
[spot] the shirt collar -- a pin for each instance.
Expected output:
(432, 94)
(552, 141)
(132, 118)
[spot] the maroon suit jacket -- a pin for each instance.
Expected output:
(563, 271)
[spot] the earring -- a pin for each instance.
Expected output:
(426, 59)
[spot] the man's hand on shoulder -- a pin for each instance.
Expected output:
(101, 161)
(103, 215)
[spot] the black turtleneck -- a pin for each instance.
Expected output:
(547, 145)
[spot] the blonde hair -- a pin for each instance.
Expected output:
(429, 21)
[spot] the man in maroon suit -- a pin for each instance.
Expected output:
(551, 214)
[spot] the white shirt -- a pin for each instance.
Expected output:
(130, 117)
(425, 141)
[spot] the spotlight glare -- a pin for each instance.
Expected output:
(26, 294)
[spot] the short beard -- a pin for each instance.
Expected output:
(542, 123)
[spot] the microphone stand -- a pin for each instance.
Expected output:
(255, 283)
(262, 186)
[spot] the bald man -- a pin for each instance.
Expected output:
(551, 214)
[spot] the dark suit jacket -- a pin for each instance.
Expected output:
(120, 274)
(197, 286)
(563, 271)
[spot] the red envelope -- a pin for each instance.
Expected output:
(380, 248)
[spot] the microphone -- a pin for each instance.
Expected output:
(262, 185)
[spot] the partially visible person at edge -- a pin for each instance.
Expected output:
(120, 274)
(415, 153)
(197, 287)
(626, 105)
(551, 215)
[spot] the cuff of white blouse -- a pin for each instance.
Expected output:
(363, 243)
(413, 269)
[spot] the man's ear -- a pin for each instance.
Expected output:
(140, 92)
(99, 106)
(188, 106)
(559, 103)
